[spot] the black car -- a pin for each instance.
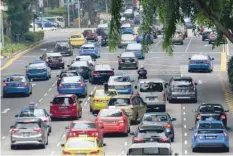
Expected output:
(54, 60)
(205, 35)
(101, 73)
(83, 67)
(127, 60)
(104, 35)
(64, 47)
(181, 88)
(155, 134)
(66, 73)
(211, 111)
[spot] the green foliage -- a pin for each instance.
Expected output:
(34, 36)
(230, 71)
(55, 11)
(13, 47)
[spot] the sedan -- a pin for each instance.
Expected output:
(90, 50)
(101, 73)
(126, 39)
(199, 62)
(90, 60)
(64, 47)
(211, 111)
(17, 84)
(157, 119)
(82, 67)
(38, 71)
(73, 85)
(137, 49)
(127, 60)
(178, 38)
(148, 38)
(66, 73)
(113, 121)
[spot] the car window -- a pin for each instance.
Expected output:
(211, 108)
(55, 57)
(83, 59)
(83, 126)
(63, 100)
(127, 37)
(182, 83)
(136, 101)
(103, 67)
(34, 113)
(110, 113)
(38, 65)
(26, 125)
(122, 79)
(88, 48)
(76, 36)
(149, 151)
(80, 144)
(119, 102)
(156, 118)
(151, 87)
(16, 78)
(72, 79)
(210, 131)
(210, 126)
(134, 47)
(68, 74)
(63, 44)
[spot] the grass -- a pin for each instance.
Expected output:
(11, 48)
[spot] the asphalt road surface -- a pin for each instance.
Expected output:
(160, 65)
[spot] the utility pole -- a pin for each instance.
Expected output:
(68, 12)
(2, 8)
(79, 16)
(106, 5)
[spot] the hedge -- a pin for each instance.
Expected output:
(230, 71)
(34, 36)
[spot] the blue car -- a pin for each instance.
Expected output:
(210, 134)
(73, 85)
(122, 84)
(17, 84)
(90, 49)
(149, 38)
(126, 30)
(36, 61)
(38, 71)
(137, 49)
(199, 62)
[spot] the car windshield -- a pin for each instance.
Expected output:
(26, 125)
(16, 78)
(63, 100)
(210, 131)
(83, 126)
(38, 65)
(110, 113)
(76, 36)
(128, 54)
(156, 118)
(63, 44)
(211, 108)
(79, 68)
(210, 126)
(151, 87)
(78, 143)
(149, 151)
(122, 79)
(119, 102)
(54, 57)
(182, 83)
(68, 74)
(32, 113)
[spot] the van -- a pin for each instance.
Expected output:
(153, 93)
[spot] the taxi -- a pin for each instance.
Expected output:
(99, 99)
(77, 40)
(83, 145)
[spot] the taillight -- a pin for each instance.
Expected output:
(59, 79)
(4, 84)
(167, 125)
(38, 130)
(164, 97)
(14, 130)
(61, 85)
(80, 84)
(138, 140)
(27, 70)
(163, 140)
(95, 73)
(94, 152)
(206, 61)
(95, 134)
(66, 153)
(199, 117)
(96, 100)
(223, 116)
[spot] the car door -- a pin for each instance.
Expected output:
(136, 106)
(142, 107)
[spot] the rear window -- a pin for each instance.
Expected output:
(182, 83)
(35, 113)
(25, 125)
(73, 79)
(69, 74)
(54, 57)
(134, 47)
(127, 37)
(83, 126)
(110, 113)
(38, 65)
(88, 48)
(210, 132)
(119, 102)
(211, 108)
(122, 79)
(63, 44)
(155, 118)
(210, 126)
(80, 144)
(16, 78)
(149, 151)
(151, 87)
(76, 36)
(103, 67)
(128, 54)
(63, 100)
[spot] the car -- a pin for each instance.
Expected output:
(210, 134)
(37, 61)
(73, 85)
(99, 99)
(88, 58)
(205, 34)
(162, 121)
(29, 131)
(77, 40)
(133, 105)
(17, 84)
(121, 83)
(200, 62)
(89, 128)
(103, 33)
(126, 39)
(66, 73)
(127, 60)
(54, 60)
(127, 31)
(137, 49)
(213, 38)
(83, 67)
(150, 148)
(178, 38)
(64, 47)
(113, 121)
(65, 106)
(33, 111)
(182, 88)
(129, 13)
(38, 71)
(90, 50)
(153, 93)
(137, 19)
(90, 35)
(101, 73)
(148, 38)
(83, 145)
(207, 111)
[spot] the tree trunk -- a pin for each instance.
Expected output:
(8, 28)
(210, 15)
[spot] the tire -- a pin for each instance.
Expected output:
(13, 147)
(226, 149)
(190, 71)
(170, 100)
(47, 141)
(4, 95)
(162, 108)
(173, 138)
(27, 94)
(194, 150)
(119, 68)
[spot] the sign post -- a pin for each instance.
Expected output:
(2, 9)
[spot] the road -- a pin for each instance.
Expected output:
(210, 89)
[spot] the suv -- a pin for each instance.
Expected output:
(127, 60)
(153, 93)
(29, 131)
(63, 47)
(90, 35)
(103, 33)
(182, 88)
(54, 60)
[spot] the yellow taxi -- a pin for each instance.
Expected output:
(83, 145)
(99, 99)
(77, 40)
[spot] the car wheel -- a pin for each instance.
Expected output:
(194, 150)
(203, 39)
(195, 100)
(47, 142)
(227, 149)
(189, 70)
(13, 147)
(4, 95)
(50, 129)
(119, 68)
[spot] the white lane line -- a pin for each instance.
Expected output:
(184, 113)
(200, 82)
(85, 104)
(181, 75)
(93, 90)
(183, 107)
(188, 45)
(52, 153)
(185, 142)
(158, 43)
(126, 144)
(50, 89)
(58, 144)
(185, 134)
(184, 119)
(64, 135)
(88, 98)
(3, 137)
(36, 104)
(185, 126)
(53, 85)
(45, 94)
(123, 152)
(185, 152)
(33, 85)
(40, 100)
(6, 110)
(227, 50)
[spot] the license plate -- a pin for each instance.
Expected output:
(26, 134)
(151, 98)
(62, 107)
(81, 154)
(210, 137)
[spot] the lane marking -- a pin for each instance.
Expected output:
(45, 94)
(227, 49)
(88, 98)
(52, 153)
(53, 85)
(40, 100)
(3, 137)
(50, 89)
(33, 85)
(185, 142)
(64, 135)
(183, 107)
(185, 126)
(158, 43)
(58, 144)
(6, 110)
(185, 152)
(188, 45)
(184, 119)
(36, 104)
(200, 82)
(184, 113)
(85, 104)
(126, 144)
(93, 90)
(185, 134)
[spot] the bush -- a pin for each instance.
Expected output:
(230, 71)
(11, 48)
(55, 11)
(34, 36)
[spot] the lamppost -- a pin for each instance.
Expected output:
(2, 9)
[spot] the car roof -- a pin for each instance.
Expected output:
(83, 56)
(31, 119)
(199, 57)
(64, 95)
(89, 45)
(151, 80)
(182, 77)
(112, 80)
(203, 104)
(27, 109)
(72, 78)
(54, 54)
(134, 46)
(79, 63)
(128, 54)
(101, 67)
(37, 64)
(151, 144)
(121, 96)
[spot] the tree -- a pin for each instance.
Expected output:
(217, 13)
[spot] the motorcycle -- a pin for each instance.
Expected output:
(142, 75)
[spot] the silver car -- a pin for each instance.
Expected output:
(29, 131)
(178, 38)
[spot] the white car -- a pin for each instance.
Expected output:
(85, 58)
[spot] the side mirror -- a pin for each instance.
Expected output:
(16, 115)
(194, 110)
(62, 145)
(135, 87)
(67, 127)
(80, 101)
(191, 129)
(173, 119)
(68, 66)
(226, 110)
(189, 58)
(196, 83)
(212, 59)
(11, 127)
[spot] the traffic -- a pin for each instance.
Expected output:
(135, 108)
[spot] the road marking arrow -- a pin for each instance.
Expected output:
(6, 110)
(33, 85)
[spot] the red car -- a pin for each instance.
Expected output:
(66, 106)
(90, 35)
(89, 128)
(113, 121)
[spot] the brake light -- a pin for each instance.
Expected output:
(163, 140)
(138, 140)
(4, 84)
(72, 134)
(199, 117)
(121, 121)
(61, 85)
(94, 152)
(223, 116)
(24, 84)
(96, 100)
(14, 130)
(59, 79)
(164, 97)
(66, 153)
(38, 130)
(167, 125)
(45, 120)
(95, 73)
(95, 134)
(206, 61)
(27, 70)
